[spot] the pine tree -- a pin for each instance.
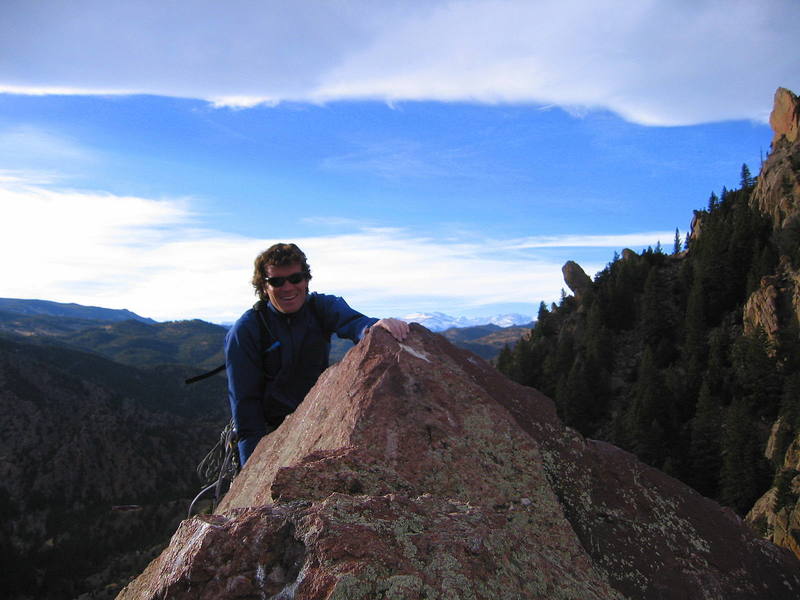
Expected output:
(746, 180)
(647, 421)
(713, 202)
(656, 324)
(704, 454)
(695, 342)
(575, 398)
(505, 362)
(755, 375)
(597, 340)
(784, 495)
(676, 246)
(743, 476)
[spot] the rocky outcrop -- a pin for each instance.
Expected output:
(696, 226)
(777, 513)
(775, 306)
(777, 192)
(785, 116)
(415, 470)
(576, 279)
(761, 308)
(628, 254)
(779, 521)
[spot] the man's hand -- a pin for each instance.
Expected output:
(398, 328)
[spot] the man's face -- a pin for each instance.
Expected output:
(289, 297)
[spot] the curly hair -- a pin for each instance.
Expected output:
(277, 255)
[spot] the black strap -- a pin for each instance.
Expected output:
(262, 322)
(214, 371)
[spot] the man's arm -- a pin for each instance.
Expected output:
(245, 384)
(351, 324)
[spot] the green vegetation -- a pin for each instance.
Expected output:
(655, 358)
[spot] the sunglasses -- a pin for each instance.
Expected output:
(277, 282)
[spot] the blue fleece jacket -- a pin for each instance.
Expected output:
(268, 378)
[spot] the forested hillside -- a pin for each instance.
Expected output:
(97, 465)
(689, 358)
(653, 355)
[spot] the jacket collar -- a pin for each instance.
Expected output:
(284, 315)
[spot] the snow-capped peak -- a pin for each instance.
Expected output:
(437, 321)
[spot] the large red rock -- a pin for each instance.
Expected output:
(415, 470)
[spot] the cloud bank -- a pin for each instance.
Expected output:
(654, 62)
(150, 256)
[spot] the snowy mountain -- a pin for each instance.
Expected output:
(437, 321)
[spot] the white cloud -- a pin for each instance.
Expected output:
(653, 62)
(151, 257)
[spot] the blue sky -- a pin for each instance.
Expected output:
(430, 156)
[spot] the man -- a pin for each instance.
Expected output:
(276, 351)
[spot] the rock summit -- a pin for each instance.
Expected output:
(416, 470)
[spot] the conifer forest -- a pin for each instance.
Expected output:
(654, 356)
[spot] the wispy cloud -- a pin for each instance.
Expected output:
(25, 142)
(627, 240)
(658, 62)
(334, 221)
(151, 256)
(397, 158)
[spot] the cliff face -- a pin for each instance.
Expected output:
(416, 470)
(775, 308)
(776, 304)
(777, 192)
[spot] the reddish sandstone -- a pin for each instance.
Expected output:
(415, 470)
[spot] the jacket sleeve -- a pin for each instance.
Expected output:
(342, 320)
(245, 383)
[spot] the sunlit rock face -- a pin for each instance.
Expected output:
(775, 305)
(777, 191)
(785, 116)
(416, 470)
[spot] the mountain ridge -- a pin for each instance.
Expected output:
(62, 309)
(190, 342)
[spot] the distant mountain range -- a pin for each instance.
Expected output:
(437, 321)
(128, 338)
(75, 311)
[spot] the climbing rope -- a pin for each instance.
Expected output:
(221, 464)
